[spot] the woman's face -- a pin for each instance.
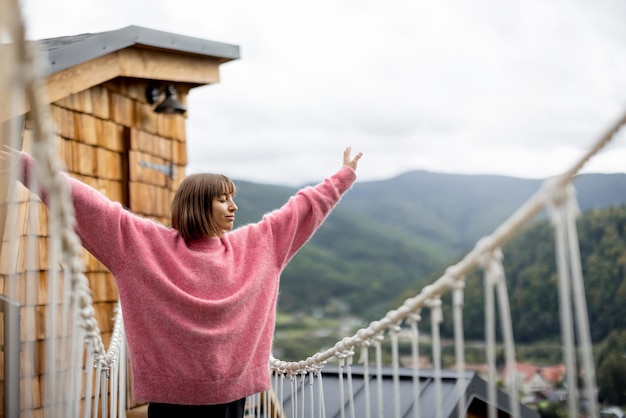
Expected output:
(224, 209)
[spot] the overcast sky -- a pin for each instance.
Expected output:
(519, 87)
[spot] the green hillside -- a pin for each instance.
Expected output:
(388, 236)
(530, 268)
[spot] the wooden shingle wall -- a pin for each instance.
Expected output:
(110, 138)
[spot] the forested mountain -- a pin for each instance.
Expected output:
(530, 268)
(389, 236)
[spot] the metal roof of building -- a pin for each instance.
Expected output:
(472, 386)
(66, 51)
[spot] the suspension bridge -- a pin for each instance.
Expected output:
(59, 363)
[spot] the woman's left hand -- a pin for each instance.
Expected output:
(348, 160)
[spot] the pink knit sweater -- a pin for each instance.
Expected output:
(199, 315)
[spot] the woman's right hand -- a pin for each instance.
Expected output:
(8, 157)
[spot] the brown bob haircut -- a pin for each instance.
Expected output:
(192, 206)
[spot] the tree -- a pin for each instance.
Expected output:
(611, 371)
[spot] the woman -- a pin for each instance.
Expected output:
(199, 299)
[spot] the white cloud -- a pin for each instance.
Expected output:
(469, 86)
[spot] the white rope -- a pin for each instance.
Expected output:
(98, 373)
(302, 389)
(275, 391)
(113, 384)
(379, 374)
(436, 318)
(51, 385)
(349, 358)
(459, 346)
(311, 394)
(506, 324)
(113, 353)
(281, 392)
(76, 381)
(342, 403)
(294, 394)
(364, 360)
(123, 376)
(104, 392)
(564, 212)
(496, 282)
(567, 328)
(89, 383)
(270, 398)
(265, 404)
(322, 404)
(584, 334)
(393, 336)
(490, 339)
(413, 321)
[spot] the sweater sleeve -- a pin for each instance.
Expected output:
(105, 228)
(291, 226)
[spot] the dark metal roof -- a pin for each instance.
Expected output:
(66, 51)
(472, 386)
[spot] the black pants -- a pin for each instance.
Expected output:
(225, 410)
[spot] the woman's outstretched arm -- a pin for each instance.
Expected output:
(105, 228)
(287, 229)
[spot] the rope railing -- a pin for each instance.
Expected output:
(50, 169)
(23, 84)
